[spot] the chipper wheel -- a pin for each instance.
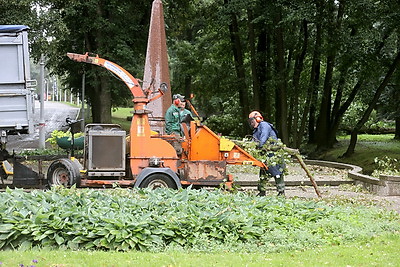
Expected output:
(64, 172)
(158, 180)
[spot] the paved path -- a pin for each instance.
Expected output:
(55, 114)
(296, 176)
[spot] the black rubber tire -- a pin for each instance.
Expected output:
(158, 180)
(63, 172)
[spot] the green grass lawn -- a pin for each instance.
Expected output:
(119, 116)
(367, 149)
(381, 251)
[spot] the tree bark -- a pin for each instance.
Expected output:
(324, 119)
(280, 91)
(100, 91)
(265, 66)
(101, 106)
(253, 60)
(397, 129)
(339, 114)
(239, 65)
(312, 94)
(371, 106)
(298, 69)
(188, 86)
(339, 110)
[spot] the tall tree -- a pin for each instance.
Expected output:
(99, 27)
(281, 72)
(298, 69)
(314, 81)
(238, 55)
(324, 119)
(371, 105)
(17, 12)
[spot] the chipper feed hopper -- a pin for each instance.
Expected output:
(150, 159)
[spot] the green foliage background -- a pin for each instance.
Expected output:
(311, 68)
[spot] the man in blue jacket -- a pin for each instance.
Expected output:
(262, 131)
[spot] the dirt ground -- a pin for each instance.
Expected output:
(354, 192)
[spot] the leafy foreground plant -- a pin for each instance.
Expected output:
(197, 220)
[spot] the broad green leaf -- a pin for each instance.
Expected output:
(5, 228)
(59, 239)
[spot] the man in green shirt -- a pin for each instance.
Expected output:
(173, 116)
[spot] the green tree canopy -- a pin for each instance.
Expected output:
(301, 63)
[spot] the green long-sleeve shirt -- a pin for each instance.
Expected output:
(173, 120)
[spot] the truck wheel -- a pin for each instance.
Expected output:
(63, 172)
(158, 180)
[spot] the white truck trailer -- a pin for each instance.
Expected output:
(16, 86)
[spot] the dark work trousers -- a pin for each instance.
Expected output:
(276, 173)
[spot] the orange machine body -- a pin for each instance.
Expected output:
(206, 156)
(143, 147)
(198, 158)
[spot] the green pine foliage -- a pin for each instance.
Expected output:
(195, 220)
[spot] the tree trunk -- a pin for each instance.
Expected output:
(100, 96)
(298, 68)
(101, 106)
(253, 61)
(239, 65)
(325, 118)
(312, 95)
(265, 70)
(397, 129)
(340, 112)
(371, 106)
(323, 122)
(337, 110)
(331, 137)
(280, 91)
(188, 86)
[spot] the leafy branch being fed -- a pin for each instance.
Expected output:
(274, 152)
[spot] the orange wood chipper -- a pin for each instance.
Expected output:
(145, 158)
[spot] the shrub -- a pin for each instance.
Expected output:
(386, 166)
(58, 134)
(198, 220)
